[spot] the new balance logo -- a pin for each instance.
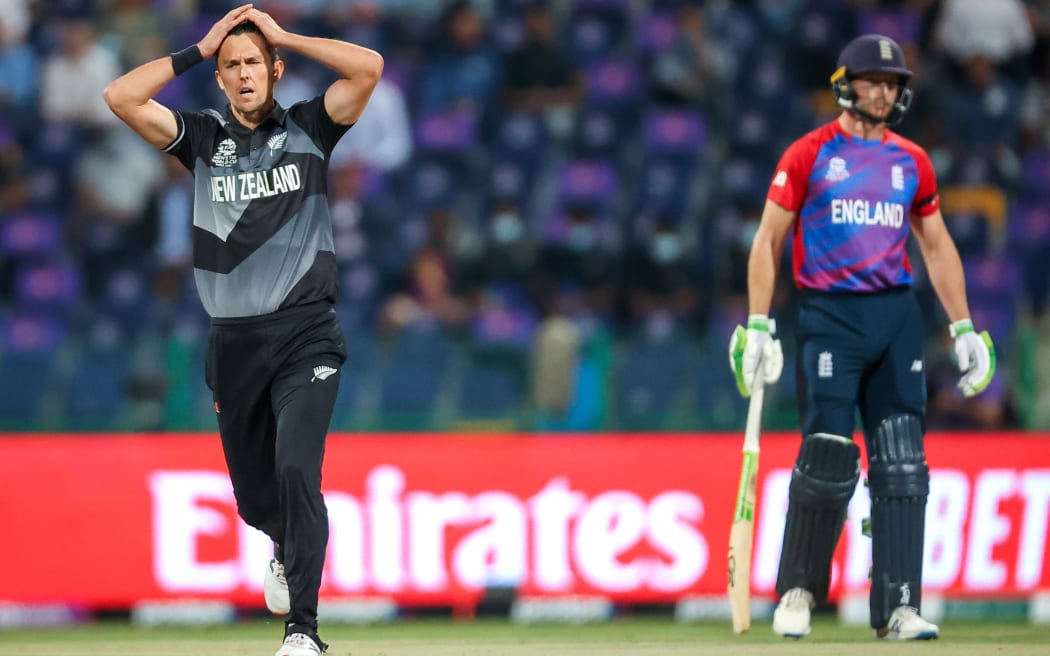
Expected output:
(916, 366)
(321, 372)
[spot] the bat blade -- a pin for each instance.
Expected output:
(741, 535)
(740, 540)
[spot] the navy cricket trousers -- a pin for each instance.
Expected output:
(859, 352)
(275, 380)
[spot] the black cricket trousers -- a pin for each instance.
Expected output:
(859, 351)
(274, 380)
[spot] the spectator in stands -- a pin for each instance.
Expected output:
(427, 295)
(508, 260)
(174, 248)
(693, 70)
(75, 75)
(461, 72)
(998, 31)
(138, 29)
(14, 183)
(984, 117)
(539, 75)
(19, 84)
(382, 137)
(661, 277)
(577, 265)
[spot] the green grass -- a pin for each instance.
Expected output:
(641, 636)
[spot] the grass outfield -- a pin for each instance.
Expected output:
(644, 637)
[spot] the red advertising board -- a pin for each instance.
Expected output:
(109, 520)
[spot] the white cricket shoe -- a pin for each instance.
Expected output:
(791, 618)
(907, 624)
(275, 589)
(300, 644)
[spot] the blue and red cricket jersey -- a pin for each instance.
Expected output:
(854, 199)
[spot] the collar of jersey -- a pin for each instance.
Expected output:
(837, 127)
(277, 115)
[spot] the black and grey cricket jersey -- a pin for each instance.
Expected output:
(262, 234)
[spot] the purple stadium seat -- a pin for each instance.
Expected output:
(992, 277)
(400, 73)
(30, 234)
(50, 286)
(612, 82)
(589, 182)
(901, 24)
(655, 32)
(675, 131)
(446, 132)
(1035, 173)
(1028, 227)
(30, 333)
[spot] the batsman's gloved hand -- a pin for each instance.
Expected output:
(975, 355)
(752, 348)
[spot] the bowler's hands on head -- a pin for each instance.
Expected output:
(753, 348)
(209, 45)
(975, 355)
(273, 32)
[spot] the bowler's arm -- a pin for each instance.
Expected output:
(359, 68)
(130, 97)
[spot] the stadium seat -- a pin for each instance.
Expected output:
(30, 234)
(649, 378)
(28, 352)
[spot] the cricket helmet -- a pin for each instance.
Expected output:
(871, 53)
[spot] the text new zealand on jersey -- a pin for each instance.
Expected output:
(255, 184)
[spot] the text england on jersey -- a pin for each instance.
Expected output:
(864, 212)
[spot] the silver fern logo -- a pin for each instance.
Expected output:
(276, 142)
(322, 372)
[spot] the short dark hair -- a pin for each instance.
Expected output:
(248, 27)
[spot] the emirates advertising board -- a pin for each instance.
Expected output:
(108, 521)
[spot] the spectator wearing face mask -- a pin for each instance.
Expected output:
(661, 278)
(578, 264)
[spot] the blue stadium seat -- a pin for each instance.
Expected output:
(28, 347)
(94, 395)
(649, 379)
(490, 391)
(412, 376)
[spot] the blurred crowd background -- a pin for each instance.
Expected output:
(542, 219)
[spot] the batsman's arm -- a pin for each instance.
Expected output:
(942, 263)
(764, 260)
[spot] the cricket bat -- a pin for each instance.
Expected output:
(742, 533)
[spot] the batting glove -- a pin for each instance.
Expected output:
(975, 356)
(752, 348)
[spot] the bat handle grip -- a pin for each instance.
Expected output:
(754, 415)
